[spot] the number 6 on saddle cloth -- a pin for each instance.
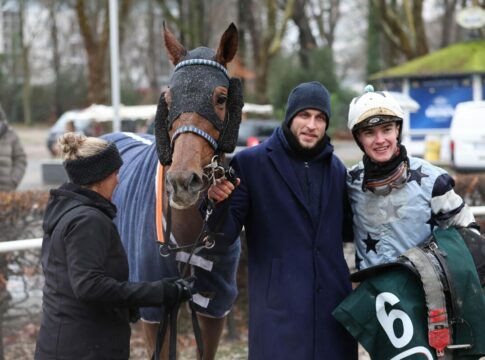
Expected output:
(429, 302)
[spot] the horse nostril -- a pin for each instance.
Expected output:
(184, 181)
(195, 183)
(170, 185)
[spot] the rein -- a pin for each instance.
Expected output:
(213, 172)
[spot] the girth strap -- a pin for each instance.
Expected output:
(439, 336)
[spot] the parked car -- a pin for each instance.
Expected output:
(467, 136)
(97, 120)
(253, 132)
(72, 120)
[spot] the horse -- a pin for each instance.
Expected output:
(197, 121)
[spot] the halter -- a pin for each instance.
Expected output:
(197, 131)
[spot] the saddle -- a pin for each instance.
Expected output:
(436, 264)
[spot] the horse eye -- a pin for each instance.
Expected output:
(221, 99)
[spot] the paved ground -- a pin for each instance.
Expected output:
(33, 140)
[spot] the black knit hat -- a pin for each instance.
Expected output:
(311, 95)
(94, 168)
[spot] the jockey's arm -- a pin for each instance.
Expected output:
(448, 208)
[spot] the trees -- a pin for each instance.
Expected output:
(266, 24)
(93, 18)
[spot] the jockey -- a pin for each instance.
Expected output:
(391, 192)
(398, 203)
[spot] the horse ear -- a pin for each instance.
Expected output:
(176, 51)
(227, 46)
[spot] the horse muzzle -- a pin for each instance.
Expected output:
(183, 187)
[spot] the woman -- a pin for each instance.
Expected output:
(87, 299)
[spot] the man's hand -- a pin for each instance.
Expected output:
(221, 190)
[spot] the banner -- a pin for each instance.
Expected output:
(437, 99)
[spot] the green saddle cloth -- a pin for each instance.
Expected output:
(387, 313)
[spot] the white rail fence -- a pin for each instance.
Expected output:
(28, 244)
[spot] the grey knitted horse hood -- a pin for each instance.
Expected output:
(192, 86)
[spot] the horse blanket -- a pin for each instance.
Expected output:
(135, 197)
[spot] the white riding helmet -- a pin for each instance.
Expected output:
(367, 109)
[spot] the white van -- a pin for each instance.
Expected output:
(467, 136)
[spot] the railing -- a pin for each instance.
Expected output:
(28, 244)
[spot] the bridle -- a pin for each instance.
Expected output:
(206, 238)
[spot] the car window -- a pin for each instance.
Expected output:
(265, 130)
(261, 129)
(245, 131)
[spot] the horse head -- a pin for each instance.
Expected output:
(198, 116)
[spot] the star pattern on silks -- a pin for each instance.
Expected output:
(355, 174)
(392, 211)
(371, 244)
(417, 175)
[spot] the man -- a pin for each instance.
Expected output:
(398, 202)
(392, 193)
(12, 156)
(290, 199)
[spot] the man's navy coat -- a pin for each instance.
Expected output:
(297, 271)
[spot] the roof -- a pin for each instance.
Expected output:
(406, 102)
(457, 59)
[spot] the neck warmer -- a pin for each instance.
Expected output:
(304, 153)
(375, 172)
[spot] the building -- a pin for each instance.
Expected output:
(438, 82)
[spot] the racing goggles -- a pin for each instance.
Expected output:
(396, 181)
(376, 120)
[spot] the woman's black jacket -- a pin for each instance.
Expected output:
(87, 296)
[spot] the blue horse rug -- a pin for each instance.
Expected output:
(215, 270)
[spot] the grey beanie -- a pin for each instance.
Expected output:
(310, 95)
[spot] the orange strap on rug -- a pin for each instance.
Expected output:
(159, 203)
